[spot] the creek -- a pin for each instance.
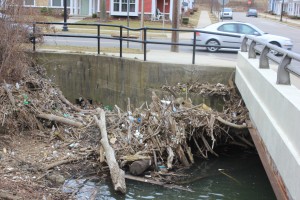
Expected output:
(237, 175)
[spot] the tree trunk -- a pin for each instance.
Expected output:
(117, 174)
(175, 25)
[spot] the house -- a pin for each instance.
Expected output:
(293, 8)
(113, 7)
(290, 7)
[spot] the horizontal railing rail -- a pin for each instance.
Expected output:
(122, 38)
(267, 52)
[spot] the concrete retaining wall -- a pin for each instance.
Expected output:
(112, 80)
(275, 111)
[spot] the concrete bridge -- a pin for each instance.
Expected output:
(274, 107)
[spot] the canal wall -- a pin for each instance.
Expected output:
(111, 80)
(274, 111)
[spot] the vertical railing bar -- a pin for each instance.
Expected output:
(145, 43)
(121, 40)
(194, 47)
(98, 39)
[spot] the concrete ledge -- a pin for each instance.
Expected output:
(275, 111)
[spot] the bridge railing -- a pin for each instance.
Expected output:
(269, 52)
(123, 38)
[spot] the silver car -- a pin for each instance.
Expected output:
(226, 13)
(236, 29)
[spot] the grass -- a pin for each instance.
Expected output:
(77, 49)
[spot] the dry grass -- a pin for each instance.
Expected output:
(77, 49)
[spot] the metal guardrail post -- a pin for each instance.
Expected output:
(252, 53)
(145, 43)
(263, 59)
(98, 39)
(244, 44)
(283, 76)
(121, 40)
(194, 48)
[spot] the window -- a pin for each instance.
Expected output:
(116, 5)
(245, 29)
(29, 2)
(120, 7)
(231, 28)
(59, 3)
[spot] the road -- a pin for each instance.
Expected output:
(266, 25)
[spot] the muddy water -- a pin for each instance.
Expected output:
(237, 176)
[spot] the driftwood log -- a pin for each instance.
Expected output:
(60, 119)
(138, 167)
(117, 174)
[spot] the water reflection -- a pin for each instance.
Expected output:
(236, 177)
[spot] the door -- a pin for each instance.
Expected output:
(84, 7)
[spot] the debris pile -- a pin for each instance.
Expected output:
(163, 135)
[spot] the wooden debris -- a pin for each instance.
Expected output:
(116, 173)
(231, 124)
(170, 186)
(138, 167)
(163, 130)
(170, 158)
(63, 120)
(135, 157)
(181, 156)
(61, 162)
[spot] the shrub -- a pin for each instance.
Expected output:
(94, 15)
(44, 10)
(185, 20)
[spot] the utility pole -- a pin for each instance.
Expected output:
(223, 10)
(142, 23)
(281, 10)
(65, 26)
(103, 11)
(127, 23)
(175, 25)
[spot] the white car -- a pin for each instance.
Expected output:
(237, 29)
(226, 13)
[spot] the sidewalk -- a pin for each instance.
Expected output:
(294, 22)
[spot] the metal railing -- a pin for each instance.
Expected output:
(269, 52)
(123, 38)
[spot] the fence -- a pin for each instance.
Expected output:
(123, 38)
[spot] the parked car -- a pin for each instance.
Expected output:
(251, 12)
(226, 13)
(237, 29)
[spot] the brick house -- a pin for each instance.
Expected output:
(113, 7)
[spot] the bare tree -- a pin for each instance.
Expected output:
(13, 33)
